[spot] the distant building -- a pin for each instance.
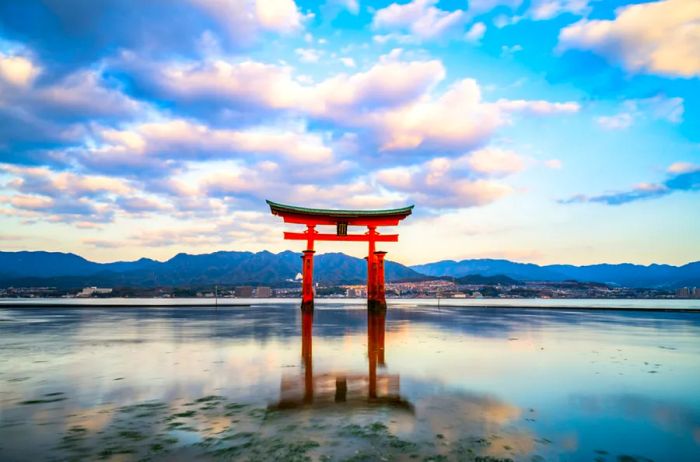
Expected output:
(696, 292)
(350, 293)
(683, 292)
(90, 291)
(244, 292)
(263, 292)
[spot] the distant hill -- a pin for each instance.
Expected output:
(626, 274)
(478, 279)
(338, 267)
(69, 270)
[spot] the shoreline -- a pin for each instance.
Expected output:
(650, 305)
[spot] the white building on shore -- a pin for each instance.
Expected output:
(91, 291)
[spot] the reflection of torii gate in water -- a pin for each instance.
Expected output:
(341, 219)
(331, 389)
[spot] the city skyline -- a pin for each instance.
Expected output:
(538, 131)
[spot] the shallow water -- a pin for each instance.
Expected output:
(264, 383)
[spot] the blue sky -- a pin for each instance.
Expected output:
(546, 131)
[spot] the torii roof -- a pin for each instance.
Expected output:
(336, 214)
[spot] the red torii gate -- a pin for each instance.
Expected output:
(341, 219)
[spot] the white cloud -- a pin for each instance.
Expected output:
(503, 20)
(466, 181)
(242, 227)
(421, 18)
(386, 84)
(352, 6)
(547, 9)
(24, 202)
(619, 121)
(142, 205)
(84, 93)
(41, 180)
(661, 107)
(308, 55)
(443, 183)
(244, 20)
(39, 193)
(239, 182)
(55, 109)
(394, 101)
(245, 82)
(179, 139)
(658, 107)
(482, 6)
(402, 39)
(456, 119)
(268, 86)
(661, 37)
(348, 62)
(679, 168)
(475, 33)
(495, 161)
(278, 15)
(509, 51)
(538, 107)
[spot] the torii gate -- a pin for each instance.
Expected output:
(341, 219)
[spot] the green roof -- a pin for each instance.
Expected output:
(276, 208)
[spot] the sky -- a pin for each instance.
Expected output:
(544, 131)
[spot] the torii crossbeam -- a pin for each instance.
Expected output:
(341, 219)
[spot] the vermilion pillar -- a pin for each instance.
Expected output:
(371, 265)
(375, 335)
(377, 301)
(372, 353)
(307, 322)
(307, 283)
(381, 323)
(371, 285)
(380, 292)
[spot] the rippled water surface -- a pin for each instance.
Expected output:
(264, 382)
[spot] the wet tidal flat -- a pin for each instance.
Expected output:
(265, 382)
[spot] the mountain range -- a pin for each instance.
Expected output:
(624, 274)
(67, 270)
